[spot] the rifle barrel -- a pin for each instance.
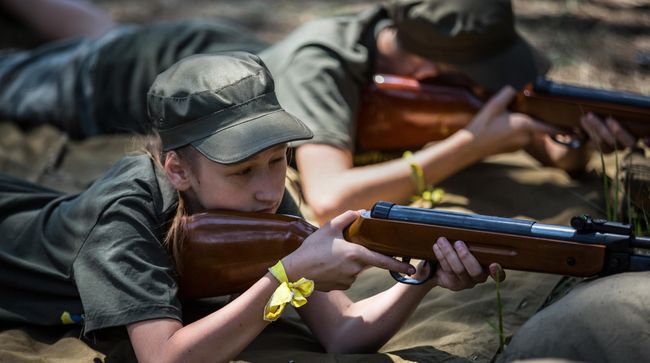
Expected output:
(640, 242)
(385, 210)
(543, 85)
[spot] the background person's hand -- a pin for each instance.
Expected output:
(496, 130)
(332, 262)
(606, 135)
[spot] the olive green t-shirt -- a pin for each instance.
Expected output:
(94, 258)
(320, 70)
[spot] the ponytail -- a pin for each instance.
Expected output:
(177, 228)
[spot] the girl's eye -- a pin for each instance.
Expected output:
(244, 172)
(277, 160)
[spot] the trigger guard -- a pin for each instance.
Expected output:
(411, 281)
(575, 142)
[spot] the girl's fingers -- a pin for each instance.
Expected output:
(451, 256)
(472, 266)
(376, 259)
(442, 261)
(343, 220)
(497, 271)
(458, 268)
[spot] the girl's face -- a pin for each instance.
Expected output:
(253, 185)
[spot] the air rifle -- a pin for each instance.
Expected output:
(400, 113)
(226, 252)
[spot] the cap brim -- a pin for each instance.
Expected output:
(516, 66)
(249, 137)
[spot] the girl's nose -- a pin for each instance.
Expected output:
(266, 195)
(269, 190)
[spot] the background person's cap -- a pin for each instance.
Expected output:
(477, 36)
(223, 104)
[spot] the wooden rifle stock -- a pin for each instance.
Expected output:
(226, 252)
(400, 113)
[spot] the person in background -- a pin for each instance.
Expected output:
(97, 84)
(93, 77)
(53, 20)
(322, 68)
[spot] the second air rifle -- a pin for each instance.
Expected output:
(400, 113)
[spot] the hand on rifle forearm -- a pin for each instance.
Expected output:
(458, 269)
(603, 136)
(606, 135)
(332, 262)
(495, 130)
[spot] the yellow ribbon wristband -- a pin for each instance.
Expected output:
(426, 196)
(295, 293)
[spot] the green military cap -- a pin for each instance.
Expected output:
(478, 36)
(223, 104)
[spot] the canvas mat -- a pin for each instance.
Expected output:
(447, 326)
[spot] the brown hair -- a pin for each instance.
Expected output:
(177, 228)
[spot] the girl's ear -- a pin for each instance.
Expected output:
(177, 171)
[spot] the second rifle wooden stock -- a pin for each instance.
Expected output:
(400, 113)
(226, 252)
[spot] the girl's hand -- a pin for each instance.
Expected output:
(495, 130)
(331, 261)
(458, 269)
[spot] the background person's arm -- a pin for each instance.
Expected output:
(60, 19)
(331, 184)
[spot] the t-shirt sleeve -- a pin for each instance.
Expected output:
(317, 88)
(123, 273)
